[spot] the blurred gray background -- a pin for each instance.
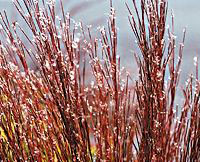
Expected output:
(187, 13)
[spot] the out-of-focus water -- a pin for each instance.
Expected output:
(187, 13)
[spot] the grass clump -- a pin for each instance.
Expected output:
(79, 104)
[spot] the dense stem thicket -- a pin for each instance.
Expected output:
(80, 104)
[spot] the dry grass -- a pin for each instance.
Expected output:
(80, 104)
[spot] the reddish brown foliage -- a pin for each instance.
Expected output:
(80, 104)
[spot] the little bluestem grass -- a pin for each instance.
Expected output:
(79, 104)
